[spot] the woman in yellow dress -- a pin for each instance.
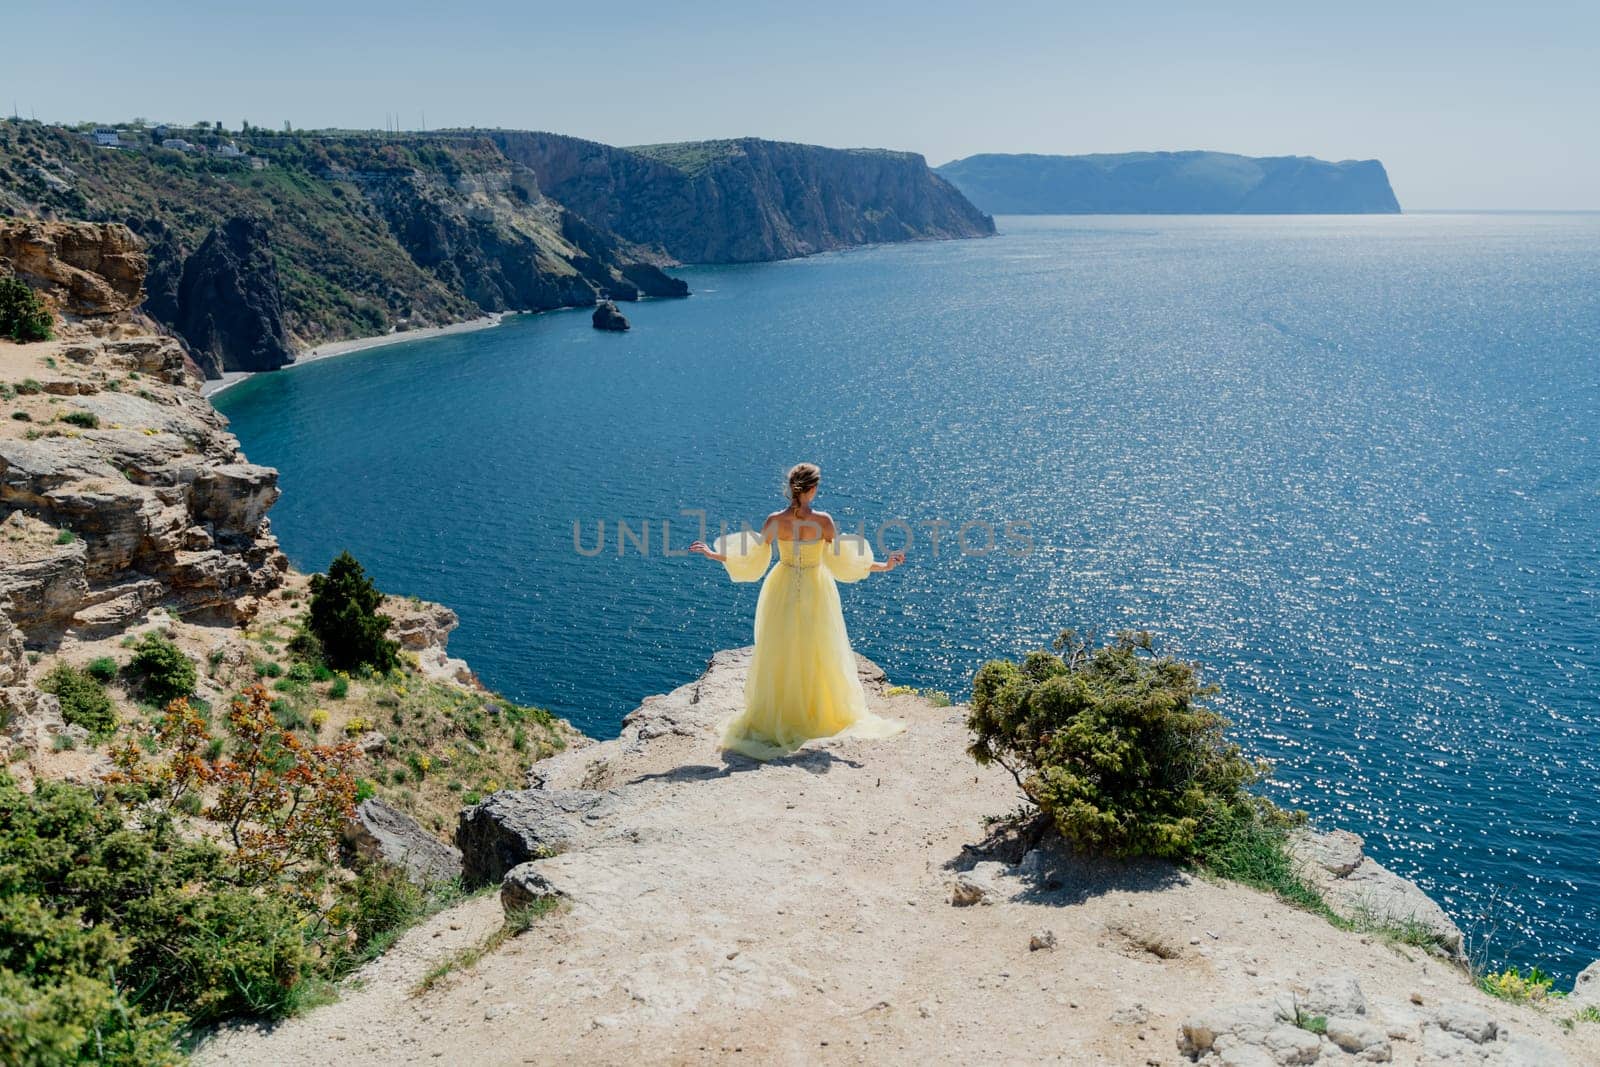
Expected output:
(802, 682)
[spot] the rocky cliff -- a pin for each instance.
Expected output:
(120, 488)
(746, 200)
(340, 235)
(1171, 183)
(337, 236)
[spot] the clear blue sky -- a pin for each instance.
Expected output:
(1469, 104)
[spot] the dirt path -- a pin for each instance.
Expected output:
(800, 912)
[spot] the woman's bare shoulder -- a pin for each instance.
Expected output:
(824, 520)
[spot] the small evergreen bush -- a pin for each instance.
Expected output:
(23, 317)
(83, 699)
(88, 420)
(165, 672)
(1115, 746)
(344, 618)
(103, 669)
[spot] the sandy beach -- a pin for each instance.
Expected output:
(360, 344)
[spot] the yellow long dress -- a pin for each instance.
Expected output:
(802, 682)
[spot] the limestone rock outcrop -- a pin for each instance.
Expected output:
(513, 827)
(1358, 886)
(378, 833)
(524, 886)
(1586, 989)
(423, 629)
(81, 269)
(145, 499)
(1331, 1021)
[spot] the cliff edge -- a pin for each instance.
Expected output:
(851, 904)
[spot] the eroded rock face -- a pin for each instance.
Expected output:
(379, 833)
(82, 269)
(423, 629)
(1357, 886)
(230, 308)
(1586, 990)
(153, 505)
(513, 827)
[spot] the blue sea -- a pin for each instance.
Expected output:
(1350, 465)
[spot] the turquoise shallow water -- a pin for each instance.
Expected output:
(1349, 464)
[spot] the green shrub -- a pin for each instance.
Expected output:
(344, 618)
(22, 416)
(76, 1018)
(382, 901)
(29, 387)
(305, 647)
(103, 669)
(23, 317)
(108, 926)
(1114, 744)
(65, 536)
(86, 419)
(339, 689)
(164, 671)
(83, 699)
(266, 668)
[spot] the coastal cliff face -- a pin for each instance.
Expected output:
(747, 200)
(338, 236)
(346, 235)
(1172, 183)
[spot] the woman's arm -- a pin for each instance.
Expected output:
(703, 549)
(894, 560)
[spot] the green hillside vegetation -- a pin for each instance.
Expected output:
(342, 272)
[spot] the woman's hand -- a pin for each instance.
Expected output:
(700, 548)
(894, 560)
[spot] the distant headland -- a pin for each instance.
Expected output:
(1172, 183)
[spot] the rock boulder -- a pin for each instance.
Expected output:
(512, 827)
(524, 886)
(607, 317)
(379, 833)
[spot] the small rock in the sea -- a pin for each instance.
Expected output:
(607, 317)
(1042, 939)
